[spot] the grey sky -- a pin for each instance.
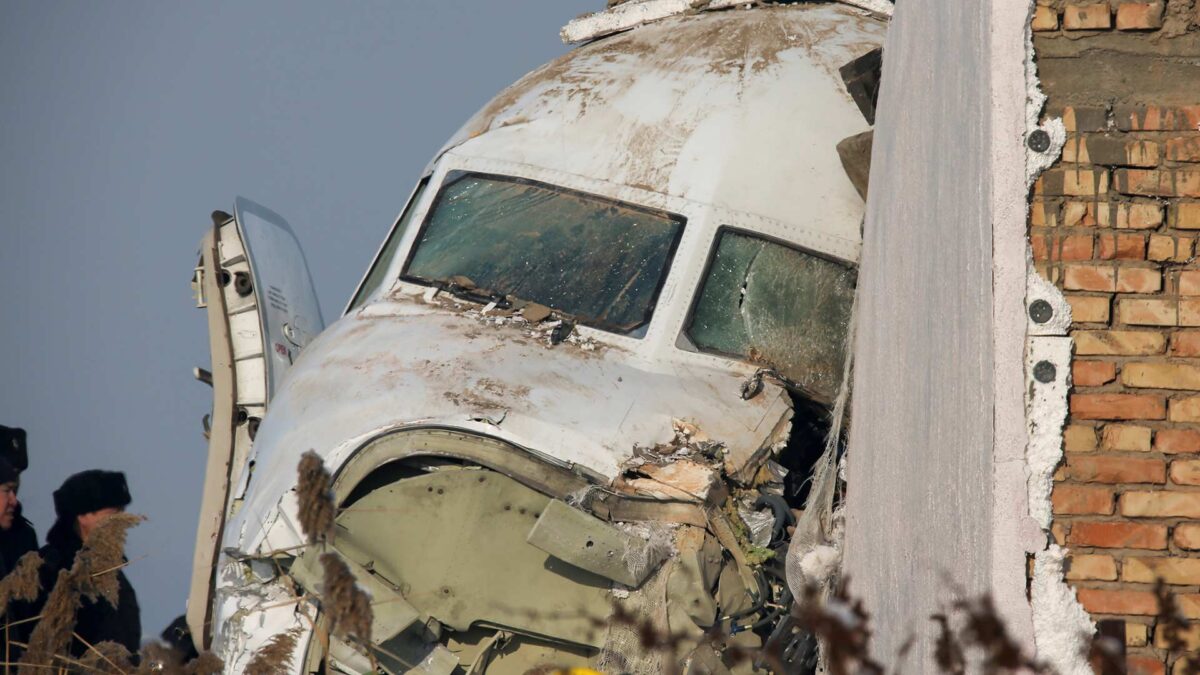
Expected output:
(122, 125)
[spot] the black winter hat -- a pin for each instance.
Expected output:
(8, 472)
(13, 447)
(89, 491)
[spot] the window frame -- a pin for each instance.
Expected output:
(685, 330)
(455, 175)
(414, 197)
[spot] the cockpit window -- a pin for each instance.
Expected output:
(599, 261)
(383, 262)
(777, 306)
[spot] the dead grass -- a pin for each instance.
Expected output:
(315, 496)
(347, 607)
(275, 657)
(23, 583)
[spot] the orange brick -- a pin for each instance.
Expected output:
(1140, 664)
(1118, 407)
(1078, 214)
(1158, 183)
(1177, 441)
(1187, 535)
(1073, 182)
(1185, 409)
(1184, 149)
(1082, 500)
(1059, 532)
(1164, 248)
(1093, 373)
(1122, 247)
(1079, 438)
(1091, 567)
(1054, 248)
(1189, 605)
(1189, 311)
(1043, 214)
(1160, 504)
(1092, 469)
(1161, 375)
(1185, 472)
(1148, 311)
(1157, 118)
(1087, 17)
(1183, 571)
(1138, 280)
(1140, 16)
(1136, 634)
(1103, 601)
(1185, 343)
(1187, 215)
(1118, 247)
(1118, 342)
(1044, 18)
(1090, 278)
(1089, 308)
(1134, 216)
(1189, 282)
(1118, 535)
(1125, 438)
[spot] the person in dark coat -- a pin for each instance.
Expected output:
(17, 538)
(83, 501)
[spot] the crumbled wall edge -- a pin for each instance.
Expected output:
(632, 14)
(1038, 161)
(1062, 628)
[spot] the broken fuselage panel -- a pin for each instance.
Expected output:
(559, 385)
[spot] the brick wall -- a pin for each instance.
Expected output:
(1114, 224)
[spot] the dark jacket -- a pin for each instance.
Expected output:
(14, 543)
(96, 621)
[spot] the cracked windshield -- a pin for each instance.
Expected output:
(596, 260)
(776, 306)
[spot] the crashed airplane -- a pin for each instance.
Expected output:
(591, 371)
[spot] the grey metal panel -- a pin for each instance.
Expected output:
(920, 455)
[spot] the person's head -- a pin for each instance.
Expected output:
(88, 497)
(10, 482)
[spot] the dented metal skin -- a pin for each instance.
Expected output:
(726, 118)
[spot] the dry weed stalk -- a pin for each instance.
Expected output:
(102, 555)
(23, 583)
(314, 493)
(275, 657)
(94, 576)
(107, 656)
(347, 606)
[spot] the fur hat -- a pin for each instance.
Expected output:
(89, 491)
(8, 472)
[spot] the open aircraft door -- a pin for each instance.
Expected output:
(262, 310)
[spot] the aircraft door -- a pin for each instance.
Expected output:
(262, 311)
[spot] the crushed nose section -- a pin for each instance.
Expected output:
(481, 558)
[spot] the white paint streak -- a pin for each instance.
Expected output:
(1062, 627)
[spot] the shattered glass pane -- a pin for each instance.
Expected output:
(776, 306)
(384, 261)
(600, 261)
